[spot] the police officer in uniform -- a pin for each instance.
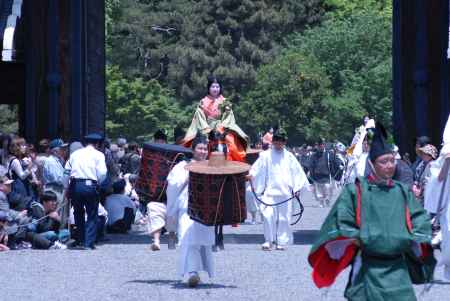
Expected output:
(87, 169)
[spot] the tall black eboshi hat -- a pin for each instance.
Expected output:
(379, 146)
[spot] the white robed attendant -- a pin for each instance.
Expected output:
(196, 240)
(276, 175)
(435, 190)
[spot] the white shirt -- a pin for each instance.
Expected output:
(87, 163)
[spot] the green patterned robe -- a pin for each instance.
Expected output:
(384, 237)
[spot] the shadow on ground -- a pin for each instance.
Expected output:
(178, 284)
(440, 282)
(301, 237)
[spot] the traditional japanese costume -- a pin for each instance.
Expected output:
(216, 114)
(379, 229)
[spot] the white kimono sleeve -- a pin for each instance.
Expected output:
(176, 181)
(259, 174)
(434, 187)
(299, 179)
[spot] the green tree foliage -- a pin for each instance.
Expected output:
(112, 9)
(137, 108)
(289, 93)
(180, 42)
(347, 8)
(317, 82)
(355, 56)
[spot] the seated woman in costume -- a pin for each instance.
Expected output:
(214, 115)
(195, 239)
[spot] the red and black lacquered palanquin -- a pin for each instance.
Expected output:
(217, 193)
(217, 199)
(157, 161)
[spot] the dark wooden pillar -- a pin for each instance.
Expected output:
(444, 64)
(77, 97)
(28, 108)
(88, 67)
(420, 70)
(420, 75)
(95, 65)
(53, 75)
(397, 74)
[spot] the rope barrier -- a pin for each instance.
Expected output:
(294, 196)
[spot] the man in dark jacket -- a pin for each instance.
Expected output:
(322, 168)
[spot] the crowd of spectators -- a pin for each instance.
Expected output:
(35, 209)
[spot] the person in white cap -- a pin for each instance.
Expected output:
(86, 169)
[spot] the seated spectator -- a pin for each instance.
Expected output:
(14, 217)
(3, 233)
(5, 189)
(47, 221)
(141, 213)
(121, 209)
(18, 227)
(130, 189)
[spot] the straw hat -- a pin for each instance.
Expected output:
(429, 150)
(218, 165)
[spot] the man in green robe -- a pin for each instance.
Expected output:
(379, 228)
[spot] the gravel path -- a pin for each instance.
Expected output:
(124, 268)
